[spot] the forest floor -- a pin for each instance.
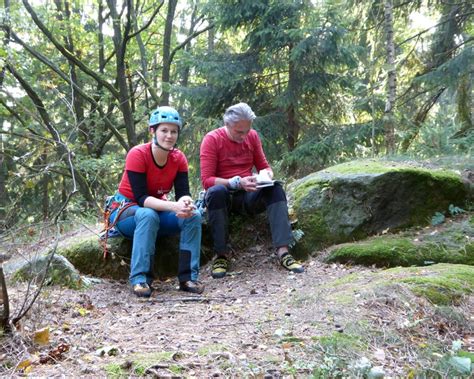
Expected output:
(259, 321)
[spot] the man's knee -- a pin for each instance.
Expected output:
(217, 197)
(274, 194)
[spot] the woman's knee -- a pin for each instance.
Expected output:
(148, 215)
(195, 219)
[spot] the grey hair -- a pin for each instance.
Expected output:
(238, 112)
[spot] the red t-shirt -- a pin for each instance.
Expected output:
(223, 158)
(159, 180)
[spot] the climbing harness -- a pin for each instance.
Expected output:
(116, 203)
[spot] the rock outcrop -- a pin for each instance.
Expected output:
(358, 199)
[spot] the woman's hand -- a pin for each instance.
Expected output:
(185, 207)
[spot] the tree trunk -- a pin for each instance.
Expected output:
(120, 44)
(3, 168)
(165, 74)
(64, 14)
(389, 119)
(420, 119)
(143, 55)
(184, 76)
(293, 126)
(464, 106)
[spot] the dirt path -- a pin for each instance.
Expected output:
(259, 321)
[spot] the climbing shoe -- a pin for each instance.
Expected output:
(288, 262)
(219, 267)
(141, 290)
(192, 286)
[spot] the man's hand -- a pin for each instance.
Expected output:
(185, 207)
(249, 183)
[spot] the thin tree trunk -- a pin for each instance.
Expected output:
(64, 14)
(3, 168)
(165, 74)
(419, 120)
(293, 125)
(464, 106)
(5, 315)
(120, 44)
(185, 71)
(5, 321)
(389, 119)
(142, 50)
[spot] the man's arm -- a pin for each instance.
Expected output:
(208, 160)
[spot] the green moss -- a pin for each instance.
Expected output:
(380, 167)
(316, 234)
(442, 284)
(337, 343)
(142, 361)
(366, 167)
(447, 285)
(208, 349)
(451, 244)
(382, 252)
(311, 183)
(115, 371)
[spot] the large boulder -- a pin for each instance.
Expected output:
(354, 200)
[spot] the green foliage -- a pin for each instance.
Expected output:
(437, 219)
(312, 71)
(454, 211)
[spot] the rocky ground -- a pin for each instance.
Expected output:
(260, 321)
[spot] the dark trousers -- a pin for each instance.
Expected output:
(221, 201)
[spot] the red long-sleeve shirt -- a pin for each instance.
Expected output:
(223, 158)
(159, 180)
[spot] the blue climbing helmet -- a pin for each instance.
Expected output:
(165, 114)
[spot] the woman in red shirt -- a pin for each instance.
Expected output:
(151, 171)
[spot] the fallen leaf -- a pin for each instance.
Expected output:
(41, 336)
(24, 364)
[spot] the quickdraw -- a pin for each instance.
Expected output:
(112, 205)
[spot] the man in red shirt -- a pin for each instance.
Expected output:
(228, 155)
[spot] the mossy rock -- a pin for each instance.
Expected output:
(88, 257)
(441, 284)
(87, 254)
(354, 200)
(451, 244)
(59, 272)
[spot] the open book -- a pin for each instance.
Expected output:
(263, 180)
